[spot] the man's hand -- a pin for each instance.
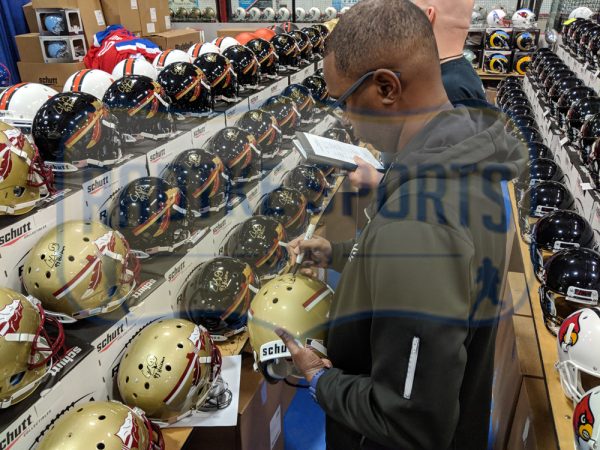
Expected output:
(317, 253)
(305, 360)
(365, 176)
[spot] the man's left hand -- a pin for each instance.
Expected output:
(305, 360)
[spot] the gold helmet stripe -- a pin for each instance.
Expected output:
(316, 298)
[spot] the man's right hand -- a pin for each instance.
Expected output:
(365, 176)
(317, 253)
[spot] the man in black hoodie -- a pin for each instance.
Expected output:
(414, 317)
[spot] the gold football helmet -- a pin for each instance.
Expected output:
(26, 350)
(24, 180)
(169, 369)
(300, 305)
(80, 269)
(105, 425)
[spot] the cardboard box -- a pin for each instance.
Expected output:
(521, 435)
(124, 12)
(30, 18)
(71, 20)
(181, 39)
(152, 16)
(29, 47)
(53, 75)
(92, 17)
(63, 49)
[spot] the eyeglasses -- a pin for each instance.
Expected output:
(340, 102)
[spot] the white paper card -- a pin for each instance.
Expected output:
(100, 18)
(341, 151)
(150, 27)
(134, 4)
(275, 426)
(168, 22)
(153, 14)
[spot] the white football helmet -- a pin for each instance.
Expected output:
(300, 14)
(585, 421)
(20, 102)
(582, 12)
(239, 14)
(523, 18)
(330, 13)
(254, 14)
(268, 15)
(200, 49)
(578, 342)
(283, 14)
(314, 14)
(496, 18)
(225, 42)
(90, 81)
(478, 14)
(134, 66)
(344, 10)
(169, 57)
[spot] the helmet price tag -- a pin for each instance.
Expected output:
(583, 296)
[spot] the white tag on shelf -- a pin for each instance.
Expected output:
(564, 141)
(153, 14)
(134, 4)
(587, 186)
(150, 28)
(100, 18)
(168, 22)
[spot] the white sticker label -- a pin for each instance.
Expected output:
(153, 14)
(586, 186)
(564, 141)
(526, 430)
(150, 28)
(168, 22)
(275, 426)
(100, 18)
(547, 113)
(134, 4)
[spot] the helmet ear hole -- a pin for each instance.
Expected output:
(18, 191)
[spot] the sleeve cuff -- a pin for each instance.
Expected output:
(313, 383)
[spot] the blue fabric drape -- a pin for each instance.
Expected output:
(12, 22)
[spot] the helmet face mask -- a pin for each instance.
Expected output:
(288, 52)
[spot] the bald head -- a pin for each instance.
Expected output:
(375, 34)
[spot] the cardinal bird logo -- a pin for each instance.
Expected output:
(129, 433)
(569, 338)
(5, 161)
(583, 419)
(10, 317)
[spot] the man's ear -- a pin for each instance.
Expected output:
(431, 14)
(388, 86)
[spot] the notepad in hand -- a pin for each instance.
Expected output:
(320, 150)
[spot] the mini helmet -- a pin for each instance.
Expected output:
(579, 113)
(521, 64)
(304, 44)
(26, 348)
(20, 102)
(590, 132)
(263, 126)
(200, 49)
(268, 14)
(541, 199)
(181, 14)
(576, 36)
(283, 14)
(217, 296)
(497, 18)
(318, 88)
(322, 29)
(254, 14)
(107, 425)
(559, 230)
(285, 111)
(587, 433)
(525, 41)
(311, 182)
(507, 95)
(499, 40)
(259, 241)
(24, 179)
(220, 75)
(570, 282)
(519, 110)
(225, 42)
(171, 56)
(568, 99)
(298, 304)
(266, 56)
(554, 77)
(529, 134)
(517, 122)
(540, 170)
(338, 134)
(300, 14)
(302, 97)
(581, 12)
(245, 65)
(317, 41)
(331, 13)
(141, 106)
(152, 214)
(187, 88)
(539, 150)
(559, 87)
(515, 101)
(54, 23)
(91, 81)
(238, 151)
(169, 369)
(523, 18)
(547, 71)
(288, 207)
(73, 130)
(314, 14)
(195, 14)
(134, 66)
(584, 42)
(239, 14)
(287, 50)
(201, 178)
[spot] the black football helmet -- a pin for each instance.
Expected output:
(519, 110)
(570, 282)
(317, 41)
(514, 124)
(568, 99)
(263, 126)
(153, 216)
(554, 77)
(285, 112)
(322, 29)
(590, 132)
(529, 134)
(76, 129)
(509, 85)
(245, 65)
(579, 113)
(311, 182)
(318, 88)
(304, 45)
(201, 178)
(220, 75)
(557, 89)
(548, 70)
(509, 94)
(584, 42)
(559, 230)
(509, 80)
(284, 27)
(525, 41)
(593, 52)
(288, 207)
(593, 162)
(288, 51)
(266, 56)
(217, 295)
(576, 36)
(258, 242)
(302, 97)
(543, 63)
(141, 106)
(338, 134)
(539, 150)
(515, 101)
(239, 152)
(540, 170)
(187, 87)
